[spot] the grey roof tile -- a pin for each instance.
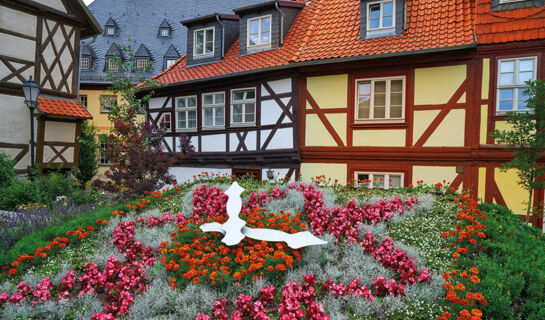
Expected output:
(138, 22)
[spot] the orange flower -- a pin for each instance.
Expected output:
(236, 276)
(196, 280)
(460, 287)
(62, 245)
(474, 270)
(474, 279)
(476, 312)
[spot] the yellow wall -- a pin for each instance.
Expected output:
(482, 183)
(511, 191)
(422, 120)
(329, 91)
(484, 124)
(438, 84)
(485, 79)
(379, 138)
(100, 120)
(331, 170)
(316, 133)
(432, 175)
(450, 133)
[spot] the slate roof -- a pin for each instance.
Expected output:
(327, 29)
(141, 19)
(63, 108)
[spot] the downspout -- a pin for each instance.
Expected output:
(83, 44)
(405, 16)
(281, 22)
(222, 35)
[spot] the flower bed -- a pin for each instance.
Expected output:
(362, 271)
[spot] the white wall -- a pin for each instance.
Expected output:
(15, 126)
(185, 174)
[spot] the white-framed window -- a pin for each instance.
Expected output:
(113, 64)
(164, 121)
(165, 32)
(141, 63)
(110, 31)
(186, 113)
(243, 106)
(380, 99)
(83, 100)
(259, 31)
(380, 15)
(170, 62)
(102, 154)
(383, 180)
(213, 109)
(106, 103)
(204, 42)
(85, 63)
(512, 75)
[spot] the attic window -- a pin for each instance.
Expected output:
(380, 15)
(204, 42)
(165, 32)
(259, 31)
(113, 64)
(85, 63)
(110, 31)
(142, 63)
(164, 29)
(506, 5)
(170, 62)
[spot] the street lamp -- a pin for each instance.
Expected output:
(31, 91)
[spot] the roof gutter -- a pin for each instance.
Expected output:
(312, 63)
(222, 35)
(281, 22)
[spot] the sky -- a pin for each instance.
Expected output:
(88, 2)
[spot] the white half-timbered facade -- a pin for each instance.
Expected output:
(41, 39)
(238, 128)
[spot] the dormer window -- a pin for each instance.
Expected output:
(170, 62)
(110, 27)
(507, 5)
(141, 63)
(381, 15)
(204, 42)
(259, 31)
(164, 29)
(85, 63)
(113, 64)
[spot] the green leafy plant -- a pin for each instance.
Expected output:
(88, 164)
(7, 174)
(526, 139)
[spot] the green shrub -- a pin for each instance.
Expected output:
(512, 267)
(18, 193)
(7, 173)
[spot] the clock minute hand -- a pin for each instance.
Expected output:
(294, 241)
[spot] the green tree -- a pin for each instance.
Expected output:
(88, 148)
(134, 149)
(526, 138)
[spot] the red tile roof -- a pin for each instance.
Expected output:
(507, 26)
(66, 108)
(327, 29)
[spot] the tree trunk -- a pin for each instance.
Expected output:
(529, 206)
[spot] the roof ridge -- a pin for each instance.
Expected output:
(308, 34)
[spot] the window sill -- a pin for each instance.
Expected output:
(203, 56)
(213, 128)
(186, 130)
(379, 125)
(241, 125)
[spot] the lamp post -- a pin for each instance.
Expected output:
(31, 91)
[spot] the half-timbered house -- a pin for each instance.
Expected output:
(391, 91)
(40, 39)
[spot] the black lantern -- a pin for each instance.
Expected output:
(31, 91)
(270, 174)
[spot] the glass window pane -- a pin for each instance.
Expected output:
(363, 113)
(192, 102)
(526, 65)
(380, 86)
(364, 101)
(380, 99)
(378, 180)
(265, 37)
(395, 112)
(237, 109)
(525, 76)
(208, 122)
(192, 115)
(365, 87)
(507, 66)
(362, 176)
(181, 103)
(208, 113)
(238, 95)
(254, 26)
(387, 9)
(250, 95)
(374, 11)
(380, 112)
(506, 105)
(200, 42)
(220, 98)
(507, 78)
(192, 124)
(397, 85)
(266, 24)
(396, 99)
(210, 35)
(209, 46)
(208, 99)
(506, 94)
(374, 24)
(237, 118)
(395, 181)
(387, 21)
(522, 99)
(219, 112)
